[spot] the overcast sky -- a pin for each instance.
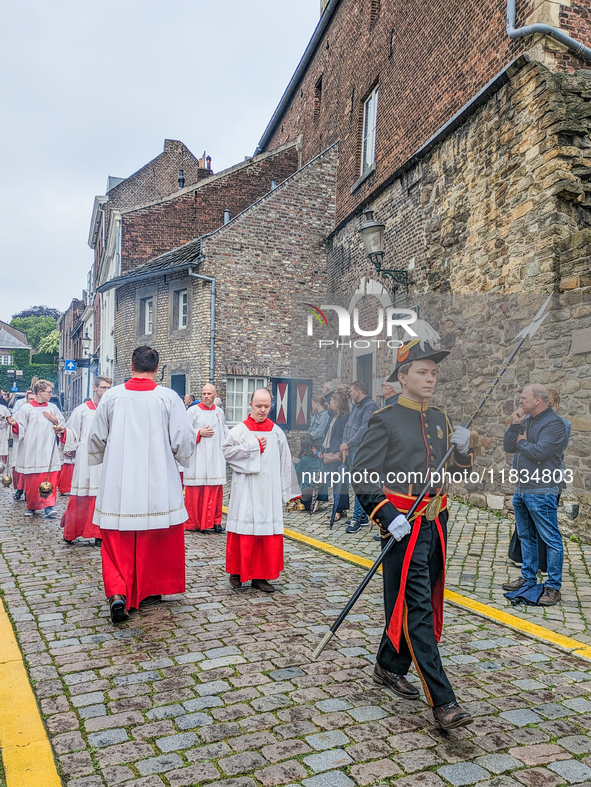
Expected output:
(93, 89)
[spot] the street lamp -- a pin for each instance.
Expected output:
(372, 233)
(86, 341)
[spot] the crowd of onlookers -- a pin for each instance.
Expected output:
(339, 420)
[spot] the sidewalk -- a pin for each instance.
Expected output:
(218, 688)
(477, 563)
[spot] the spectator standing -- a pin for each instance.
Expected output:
(389, 393)
(327, 391)
(319, 421)
(362, 409)
(309, 464)
(331, 449)
(537, 446)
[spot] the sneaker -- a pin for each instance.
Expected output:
(549, 597)
(377, 537)
(218, 529)
(515, 585)
(50, 513)
(355, 526)
(28, 512)
(18, 494)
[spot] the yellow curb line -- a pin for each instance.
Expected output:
(26, 752)
(512, 621)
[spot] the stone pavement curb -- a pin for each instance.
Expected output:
(26, 754)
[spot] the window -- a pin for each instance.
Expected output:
(147, 316)
(317, 98)
(183, 298)
(368, 141)
(6, 360)
(238, 393)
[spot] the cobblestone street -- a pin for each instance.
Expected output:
(218, 687)
(478, 541)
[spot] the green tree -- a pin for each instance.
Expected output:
(36, 328)
(50, 343)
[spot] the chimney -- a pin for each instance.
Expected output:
(181, 179)
(208, 162)
(226, 216)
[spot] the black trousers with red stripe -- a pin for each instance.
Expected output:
(417, 642)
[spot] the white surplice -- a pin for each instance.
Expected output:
(5, 430)
(261, 483)
(207, 466)
(37, 446)
(86, 478)
(138, 435)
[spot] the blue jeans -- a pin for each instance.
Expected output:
(536, 516)
(359, 514)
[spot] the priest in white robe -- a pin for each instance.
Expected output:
(140, 432)
(206, 475)
(263, 480)
(37, 453)
(77, 519)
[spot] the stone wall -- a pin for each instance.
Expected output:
(500, 207)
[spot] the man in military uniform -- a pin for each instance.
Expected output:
(400, 451)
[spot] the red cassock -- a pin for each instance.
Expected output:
(18, 479)
(31, 483)
(254, 557)
(64, 480)
(204, 506)
(77, 518)
(142, 563)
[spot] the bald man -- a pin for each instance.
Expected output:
(206, 475)
(536, 438)
(263, 479)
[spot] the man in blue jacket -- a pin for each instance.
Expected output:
(362, 409)
(537, 447)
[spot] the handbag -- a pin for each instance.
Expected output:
(330, 458)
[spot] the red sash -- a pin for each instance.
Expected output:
(404, 503)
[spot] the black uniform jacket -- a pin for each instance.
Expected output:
(403, 444)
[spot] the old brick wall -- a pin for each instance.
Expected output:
(158, 177)
(500, 207)
(152, 230)
(428, 58)
(263, 260)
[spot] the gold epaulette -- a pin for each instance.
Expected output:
(381, 410)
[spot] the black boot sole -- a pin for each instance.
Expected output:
(385, 683)
(455, 724)
(118, 613)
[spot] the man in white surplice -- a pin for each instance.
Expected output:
(263, 480)
(140, 431)
(206, 475)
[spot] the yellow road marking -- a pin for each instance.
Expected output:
(26, 752)
(512, 621)
(224, 509)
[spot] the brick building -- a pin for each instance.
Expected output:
(11, 339)
(220, 307)
(471, 147)
(73, 387)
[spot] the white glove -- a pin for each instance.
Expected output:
(399, 527)
(461, 439)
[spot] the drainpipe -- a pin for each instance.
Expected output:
(576, 47)
(211, 319)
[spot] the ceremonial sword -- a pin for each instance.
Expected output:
(522, 336)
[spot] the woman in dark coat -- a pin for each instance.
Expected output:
(330, 451)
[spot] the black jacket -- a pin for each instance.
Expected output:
(336, 436)
(542, 449)
(403, 445)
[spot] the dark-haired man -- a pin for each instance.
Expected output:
(401, 449)
(361, 411)
(140, 431)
